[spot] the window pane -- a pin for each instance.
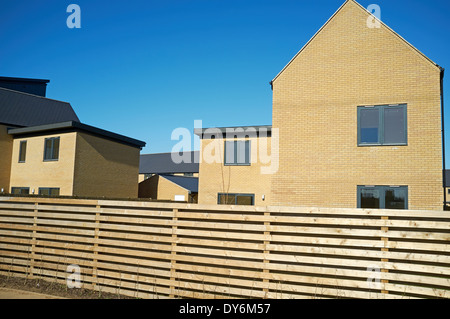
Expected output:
(227, 199)
(369, 125)
(48, 149)
(244, 200)
(241, 154)
(370, 198)
(394, 125)
(55, 154)
(22, 151)
(229, 152)
(44, 191)
(54, 191)
(395, 198)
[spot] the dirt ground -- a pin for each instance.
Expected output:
(21, 288)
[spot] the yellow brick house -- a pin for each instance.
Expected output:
(357, 112)
(46, 150)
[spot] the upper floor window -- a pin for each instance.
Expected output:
(22, 151)
(237, 153)
(382, 125)
(51, 149)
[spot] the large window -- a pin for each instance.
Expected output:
(383, 197)
(237, 152)
(47, 191)
(51, 149)
(382, 125)
(20, 190)
(236, 199)
(22, 151)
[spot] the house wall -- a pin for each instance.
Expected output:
(157, 187)
(6, 146)
(36, 172)
(315, 103)
(215, 177)
(105, 168)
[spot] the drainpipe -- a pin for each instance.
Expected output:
(443, 136)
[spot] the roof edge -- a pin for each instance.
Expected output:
(72, 125)
(328, 21)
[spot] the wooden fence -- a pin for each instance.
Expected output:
(164, 250)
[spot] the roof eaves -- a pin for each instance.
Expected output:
(76, 126)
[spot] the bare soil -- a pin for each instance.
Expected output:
(55, 289)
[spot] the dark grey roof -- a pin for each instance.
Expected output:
(162, 163)
(75, 126)
(23, 109)
(189, 183)
(447, 178)
(238, 131)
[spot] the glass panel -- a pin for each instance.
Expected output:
(229, 152)
(244, 200)
(54, 191)
(370, 198)
(48, 149)
(369, 125)
(227, 199)
(55, 154)
(241, 155)
(395, 198)
(23, 151)
(44, 191)
(394, 125)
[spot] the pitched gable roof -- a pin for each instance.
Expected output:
(353, 2)
(23, 109)
(189, 183)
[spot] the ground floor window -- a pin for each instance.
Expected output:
(47, 191)
(235, 199)
(20, 190)
(383, 197)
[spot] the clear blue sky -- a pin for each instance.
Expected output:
(144, 68)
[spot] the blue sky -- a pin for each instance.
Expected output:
(144, 68)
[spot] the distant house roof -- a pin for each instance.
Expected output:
(235, 131)
(162, 163)
(27, 85)
(71, 126)
(189, 183)
(23, 109)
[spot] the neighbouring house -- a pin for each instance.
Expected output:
(170, 188)
(232, 165)
(182, 164)
(169, 176)
(46, 150)
(357, 118)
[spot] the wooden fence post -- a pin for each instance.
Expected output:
(173, 253)
(385, 240)
(33, 239)
(266, 252)
(95, 248)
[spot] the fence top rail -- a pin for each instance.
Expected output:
(233, 208)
